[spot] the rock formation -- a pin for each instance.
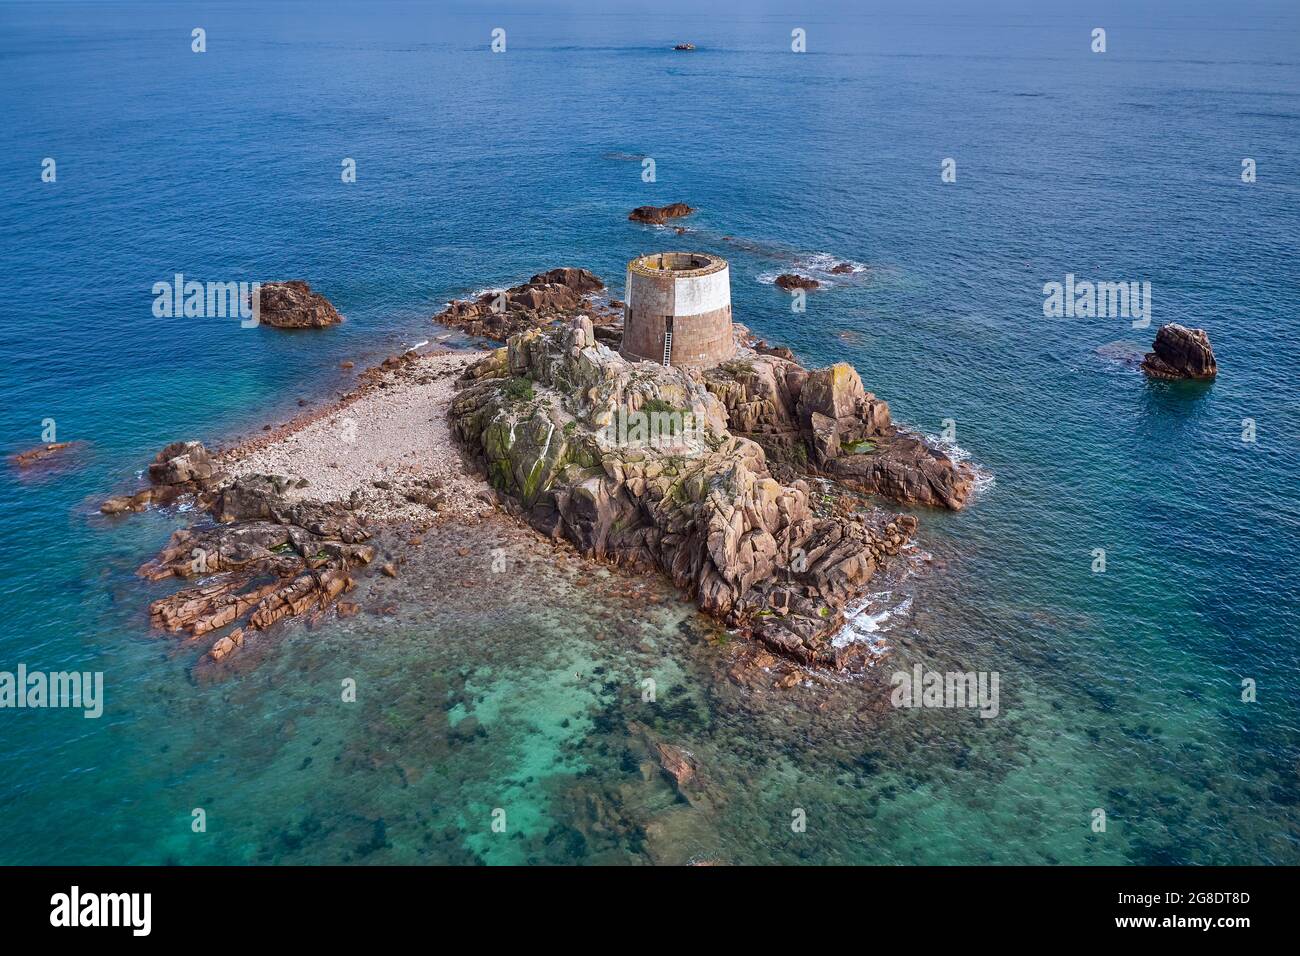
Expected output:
(1180, 352)
(566, 429)
(42, 455)
(825, 423)
(546, 297)
(789, 281)
(182, 468)
(292, 305)
(263, 560)
(702, 474)
(181, 462)
(658, 215)
(684, 46)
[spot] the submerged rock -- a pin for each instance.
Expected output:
(44, 457)
(292, 305)
(25, 459)
(1180, 352)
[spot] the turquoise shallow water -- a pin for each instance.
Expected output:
(1120, 690)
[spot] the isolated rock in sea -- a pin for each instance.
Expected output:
(1180, 352)
(842, 268)
(658, 215)
(684, 46)
(543, 299)
(42, 455)
(565, 428)
(789, 281)
(292, 305)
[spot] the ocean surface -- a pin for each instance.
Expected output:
(1121, 691)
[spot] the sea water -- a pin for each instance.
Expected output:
(505, 719)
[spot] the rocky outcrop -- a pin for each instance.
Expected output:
(292, 305)
(684, 46)
(635, 464)
(260, 560)
(181, 468)
(658, 215)
(1180, 352)
(579, 280)
(181, 462)
(306, 549)
(545, 298)
(790, 281)
(825, 423)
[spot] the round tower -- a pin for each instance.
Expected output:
(678, 310)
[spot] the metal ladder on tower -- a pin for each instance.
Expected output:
(668, 347)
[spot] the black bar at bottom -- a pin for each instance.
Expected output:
(334, 904)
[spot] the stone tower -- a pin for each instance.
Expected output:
(678, 310)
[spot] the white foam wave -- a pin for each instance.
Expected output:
(864, 620)
(983, 479)
(817, 265)
(824, 262)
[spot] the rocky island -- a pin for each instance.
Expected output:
(739, 477)
(293, 305)
(658, 215)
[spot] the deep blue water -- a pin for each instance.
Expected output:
(1121, 690)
